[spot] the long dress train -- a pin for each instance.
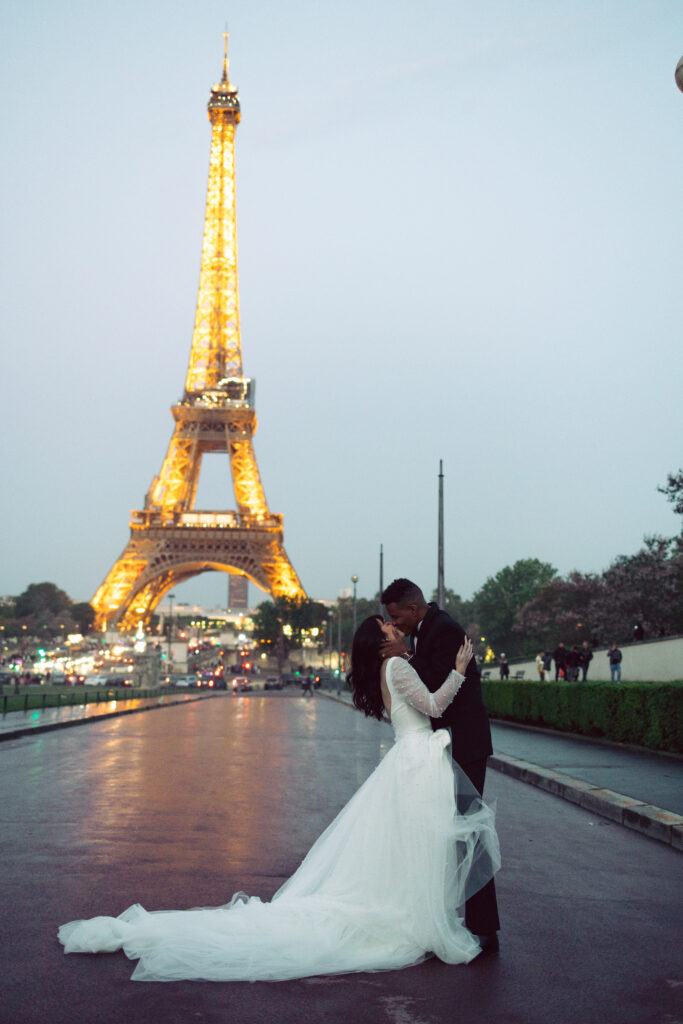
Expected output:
(382, 888)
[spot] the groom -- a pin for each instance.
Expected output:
(434, 641)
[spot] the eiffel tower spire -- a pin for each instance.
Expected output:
(170, 540)
(216, 344)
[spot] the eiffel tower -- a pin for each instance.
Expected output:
(170, 540)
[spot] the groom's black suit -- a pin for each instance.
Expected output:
(436, 644)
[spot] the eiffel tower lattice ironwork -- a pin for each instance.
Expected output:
(170, 540)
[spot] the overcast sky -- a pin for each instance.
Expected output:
(459, 232)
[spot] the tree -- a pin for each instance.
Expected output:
(461, 611)
(674, 491)
(47, 611)
(40, 599)
(267, 625)
(497, 603)
(563, 609)
(286, 620)
(84, 615)
(645, 589)
(365, 607)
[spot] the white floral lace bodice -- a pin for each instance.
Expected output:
(412, 705)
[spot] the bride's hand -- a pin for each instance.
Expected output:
(393, 645)
(464, 656)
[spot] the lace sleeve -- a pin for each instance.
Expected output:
(408, 684)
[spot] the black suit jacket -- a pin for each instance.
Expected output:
(438, 641)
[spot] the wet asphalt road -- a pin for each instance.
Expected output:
(185, 805)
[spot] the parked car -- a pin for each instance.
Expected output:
(272, 683)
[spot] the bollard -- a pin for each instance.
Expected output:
(4, 703)
(44, 701)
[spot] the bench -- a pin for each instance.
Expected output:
(486, 675)
(519, 675)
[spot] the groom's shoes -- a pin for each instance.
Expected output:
(489, 945)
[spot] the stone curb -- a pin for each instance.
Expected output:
(32, 730)
(655, 822)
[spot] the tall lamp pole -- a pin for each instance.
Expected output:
(439, 581)
(170, 629)
(381, 577)
(354, 580)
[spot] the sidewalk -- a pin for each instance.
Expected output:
(642, 790)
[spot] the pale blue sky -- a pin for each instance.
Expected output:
(459, 238)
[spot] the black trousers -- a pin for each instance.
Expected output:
(481, 911)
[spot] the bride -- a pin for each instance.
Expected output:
(383, 887)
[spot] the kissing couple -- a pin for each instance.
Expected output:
(405, 871)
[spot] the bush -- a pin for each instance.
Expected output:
(646, 714)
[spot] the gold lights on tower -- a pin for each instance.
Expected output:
(170, 540)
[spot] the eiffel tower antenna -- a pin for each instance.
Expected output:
(226, 36)
(170, 540)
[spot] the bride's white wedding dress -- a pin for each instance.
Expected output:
(382, 888)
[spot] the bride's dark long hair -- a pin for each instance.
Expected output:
(366, 664)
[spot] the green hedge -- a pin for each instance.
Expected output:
(647, 714)
(62, 699)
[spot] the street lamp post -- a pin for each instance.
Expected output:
(170, 630)
(354, 580)
(330, 622)
(381, 578)
(439, 575)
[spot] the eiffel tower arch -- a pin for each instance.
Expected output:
(170, 540)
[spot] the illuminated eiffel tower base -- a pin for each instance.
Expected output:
(170, 540)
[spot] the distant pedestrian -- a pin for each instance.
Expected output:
(547, 664)
(585, 658)
(504, 667)
(307, 687)
(573, 662)
(560, 659)
(614, 655)
(540, 668)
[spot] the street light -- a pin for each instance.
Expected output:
(170, 629)
(330, 636)
(354, 580)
